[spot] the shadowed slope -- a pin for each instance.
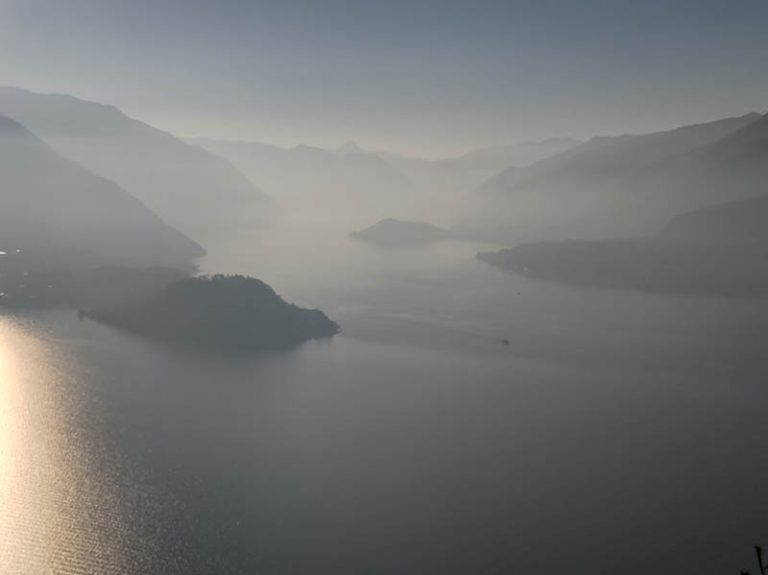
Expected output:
(61, 215)
(190, 188)
(606, 187)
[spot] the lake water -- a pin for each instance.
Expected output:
(616, 433)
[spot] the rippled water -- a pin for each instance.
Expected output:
(617, 432)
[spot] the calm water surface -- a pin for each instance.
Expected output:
(617, 433)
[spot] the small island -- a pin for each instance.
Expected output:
(219, 312)
(392, 233)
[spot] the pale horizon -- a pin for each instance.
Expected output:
(425, 79)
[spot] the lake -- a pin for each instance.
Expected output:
(618, 432)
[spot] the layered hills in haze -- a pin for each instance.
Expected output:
(72, 239)
(56, 214)
(498, 158)
(190, 188)
(351, 181)
(462, 173)
(624, 185)
(733, 168)
(343, 184)
(446, 181)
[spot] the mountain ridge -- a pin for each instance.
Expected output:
(585, 191)
(55, 210)
(188, 186)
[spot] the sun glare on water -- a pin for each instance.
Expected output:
(45, 522)
(22, 520)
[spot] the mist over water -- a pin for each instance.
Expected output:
(618, 431)
(387, 288)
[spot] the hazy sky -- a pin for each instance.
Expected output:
(421, 76)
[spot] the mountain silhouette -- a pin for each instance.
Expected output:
(187, 186)
(59, 214)
(498, 158)
(344, 182)
(733, 168)
(602, 188)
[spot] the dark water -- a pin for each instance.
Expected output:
(617, 433)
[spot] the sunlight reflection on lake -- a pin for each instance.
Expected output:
(617, 424)
(54, 510)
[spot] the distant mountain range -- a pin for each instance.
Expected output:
(344, 183)
(623, 185)
(72, 239)
(369, 184)
(274, 165)
(187, 186)
(732, 168)
(55, 214)
(448, 180)
(489, 161)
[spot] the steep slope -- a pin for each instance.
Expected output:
(60, 215)
(582, 192)
(733, 168)
(190, 188)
